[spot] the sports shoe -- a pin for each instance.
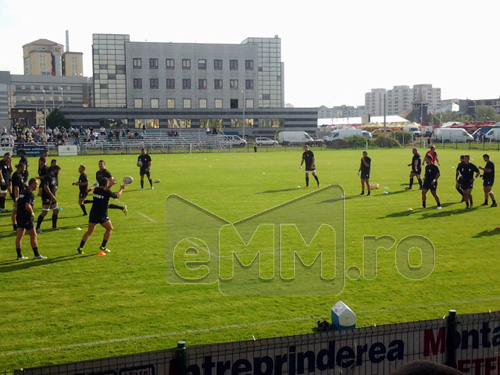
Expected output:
(141, 189)
(105, 249)
(152, 187)
(39, 257)
(421, 207)
(22, 258)
(493, 205)
(3, 210)
(80, 250)
(484, 204)
(56, 229)
(408, 188)
(38, 230)
(125, 210)
(438, 207)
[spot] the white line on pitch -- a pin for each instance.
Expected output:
(147, 217)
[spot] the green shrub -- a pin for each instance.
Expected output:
(338, 144)
(358, 141)
(386, 142)
(403, 137)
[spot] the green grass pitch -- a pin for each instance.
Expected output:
(73, 307)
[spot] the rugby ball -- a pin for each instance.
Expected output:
(127, 180)
(157, 180)
(139, 163)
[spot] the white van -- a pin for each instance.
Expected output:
(452, 135)
(493, 135)
(344, 133)
(413, 129)
(231, 140)
(294, 137)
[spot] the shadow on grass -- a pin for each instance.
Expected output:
(12, 233)
(441, 213)
(485, 233)
(277, 191)
(19, 265)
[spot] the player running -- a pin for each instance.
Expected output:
(308, 158)
(488, 180)
(144, 163)
(458, 178)
(430, 181)
(416, 169)
(49, 201)
(82, 183)
(364, 173)
(99, 213)
(467, 171)
(25, 220)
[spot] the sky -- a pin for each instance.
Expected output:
(333, 51)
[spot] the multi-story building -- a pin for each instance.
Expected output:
(401, 99)
(46, 58)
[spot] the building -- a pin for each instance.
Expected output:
(46, 58)
(342, 111)
(402, 98)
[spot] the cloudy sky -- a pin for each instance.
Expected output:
(334, 51)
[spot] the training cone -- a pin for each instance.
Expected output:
(101, 254)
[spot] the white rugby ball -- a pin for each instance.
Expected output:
(128, 180)
(139, 163)
(157, 180)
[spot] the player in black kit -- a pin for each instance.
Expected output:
(25, 218)
(17, 188)
(467, 171)
(416, 169)
(308, 158)
(364, 172)
(82, 183)
(99, 213)
(430, 181)
(5, 172)
(488, 180)
(49, 201)
(144, 162)
(458, 178)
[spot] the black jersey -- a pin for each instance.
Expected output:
(100, 202)
(6, 169)
(26, 196)
(431, 172)
(100, 174)
(308, 157)
(145, 160)
(42, 172)
(24, 160)
(459, 166)
(364, 169)
(489, 176)
(17, 180)
(467, 171)
(51, 182)
(416, 163)
(81, 180)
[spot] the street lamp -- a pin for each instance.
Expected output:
(244, 107)
(62, 96)
(44, 112)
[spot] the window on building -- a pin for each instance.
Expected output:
(137, 63)
(186, 103)
(170, 63)
(249, 103)
(138, 103)
(171, 103)
(217, 64)
(154, 83)
(202, 103)
(120, 69)
(233, 84)
(233, 64)
(170, 83)
(202, 64)
(249, 84)
(186, 83)
(202, 84)
(155, 103)
(218, 84)
(186, 64)
(103, 66)
(218, 103)
(248, 64)
(153, 63)
(233, 103)
(137, 83)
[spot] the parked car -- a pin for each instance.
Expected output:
(493, 135)
(265, 141)
(294, 137)
(480, 133)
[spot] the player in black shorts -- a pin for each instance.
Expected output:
(5, 173)
(17, 188)
(25, 216)
(488, 180)
(49, 201)
(308, 158)
(430, 181)
(144, 163)
(82, 183)
(99, 213)
(43, 169)
(364, 172)
(103, 172)
(416, 169)
(467, 171)
(458, 178)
